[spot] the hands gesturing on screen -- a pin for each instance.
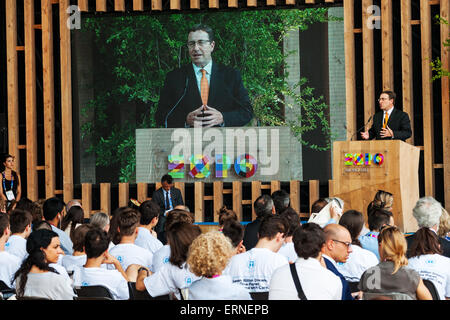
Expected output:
(208, 118)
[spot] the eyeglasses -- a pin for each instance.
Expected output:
(200, 43)
(347, 244)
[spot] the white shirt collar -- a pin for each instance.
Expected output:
(208, 68)
(329, 258)
(389, 111)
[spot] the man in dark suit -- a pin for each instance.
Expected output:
(263, 206)
(390, 122)
(204, 93)
(167, 197)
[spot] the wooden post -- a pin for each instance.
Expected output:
(368, 64)
(350, 83)
(124, 194)
(218, 198)
(119, 5)
(142, 190)
(294, 195)
(237, 199)
(256, 192)
(86, 198)
(274, 186)
(314, 192)
(100, 5)
(83, 5)
(199, 190)
(180, 185)
(105, 198)
(138, 5)
(157, 5)
(387, 46)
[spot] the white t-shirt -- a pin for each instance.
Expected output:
(359, 260)
(219, 288)
(112, 279)
(288, 250)
(64, 239)
(48, 285)
(436, 268)
(318, 283)
(9, 264)
(17, 246)
(169, 279)
(129, 253)
(160, 258)
(70, 262)
(147, 241)
(253, 269)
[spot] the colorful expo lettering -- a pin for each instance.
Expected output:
(363, 159)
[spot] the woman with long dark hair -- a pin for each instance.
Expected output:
(35, 277)
(73, 219)
(10, 189)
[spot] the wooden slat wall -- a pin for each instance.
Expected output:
(368, 65)
(387, 46)
(350, 81)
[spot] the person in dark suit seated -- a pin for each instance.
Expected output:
(204, 93)
(167, 197)
(427, 212)
(263, 207)
(390, 122)
(281, 200)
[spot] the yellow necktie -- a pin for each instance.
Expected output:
(204, 88)
(386, 117)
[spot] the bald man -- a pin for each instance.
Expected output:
(337, 247)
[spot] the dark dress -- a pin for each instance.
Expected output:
(10, 184)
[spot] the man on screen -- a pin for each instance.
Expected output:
(390, 122)
(203, 93)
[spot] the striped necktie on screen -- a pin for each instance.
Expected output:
(204, 88)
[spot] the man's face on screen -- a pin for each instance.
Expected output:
(200, 48)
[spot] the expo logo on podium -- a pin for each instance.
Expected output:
(361, 162)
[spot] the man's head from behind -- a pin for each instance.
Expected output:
(20, 221)
(95, 243)
(200, 44)
(273, 229)
(127, 221)
(377, 218)
(4, 227)
(308, 240)
(53, 209)
(263, 206)
(280, 200)
(427, 212)
(337, 242)
(149, 210)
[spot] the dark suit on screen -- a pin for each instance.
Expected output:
(398, 122)
(227, 94)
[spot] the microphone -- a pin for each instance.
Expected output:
(176, 104)
(370, 118)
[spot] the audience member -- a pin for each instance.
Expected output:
(92, 274)
(41, 225)
(100, 220)
(224, 215)
(127, 252)
(175, 275)
(337, 247)
(359, 260)
(235, 232)
(253, 269)
(79, 255)
(20, 224)
(377, 218)
(391, 276)
(293, 220)
(427, 212)
(427, 259)
(73, 203)
(147, 237)
(53, 209)
(263, 207)
(281, 200)
(9, 263)
(35, 277)
(444, 225)
(317, 283)
(383, 200)
(208, 256)
(318, 205)
(72, 220)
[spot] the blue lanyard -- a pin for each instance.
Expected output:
(4, 179)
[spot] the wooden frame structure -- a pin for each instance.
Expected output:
(59, 85)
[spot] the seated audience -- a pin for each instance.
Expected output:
(92, 274)
(79, 255)
(72, 220)
(35, 277)
(224, 215)
(293, 220)
(208, 256)
(427, 259)
(147, 237)
(53, 209)
(253, 269)
(359, 260)
(235, 232)
(20, 224)
(377, 219)
(281, 200)
(317, 282)
(263, 207)
(9, 263)
(427, 212)
(175, 275)
(391, 275)
(100, 220)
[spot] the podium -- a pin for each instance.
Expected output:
(361, 168)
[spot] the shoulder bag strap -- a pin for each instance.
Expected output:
(301, 294)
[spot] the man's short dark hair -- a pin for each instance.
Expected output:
(271, 225)
(96, 242)
(377, 218)
(318, 205)
(308, 240)
(292, 218)
(167, 178)
(52, 207)
(79, 237)
(280, 200)
(4, 223)
(19, 220)
(149, 209)
(263, 206)
(205, 28)
(127, 220)
(233, 230)
(391, 94)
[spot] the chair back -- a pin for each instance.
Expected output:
(432, 288)
(136, 294)
(6, 291)
(353, 286)
(97, 292)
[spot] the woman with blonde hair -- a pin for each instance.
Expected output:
(391, 276)
(208, 256)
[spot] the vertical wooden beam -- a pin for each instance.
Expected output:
(138, 5)
(86, 198)
(100, 5)
(218, 198)
(142, 190)
(256, 192)
(252, 3)
(330, 188)
(105, 198)
(368, 62)
(30, 101)
(350, 83)
(427, 96)
(445, 88)
(181, 187)
(213, 4)
(124, 194)
(314, 192)
(199, 198)
(83, 5)
(232, 3)
(175, 5)
(157, 5)
(294, 195)
(49, 100)
(407, 60)
(12, 80)
(119, 5)
(66, 101)
(195, 4)
(237, 199)
(274, 186)
(387, 46)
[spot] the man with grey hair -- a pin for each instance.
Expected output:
(427, 212)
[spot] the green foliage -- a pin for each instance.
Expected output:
(136, 52)
(436, 65)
